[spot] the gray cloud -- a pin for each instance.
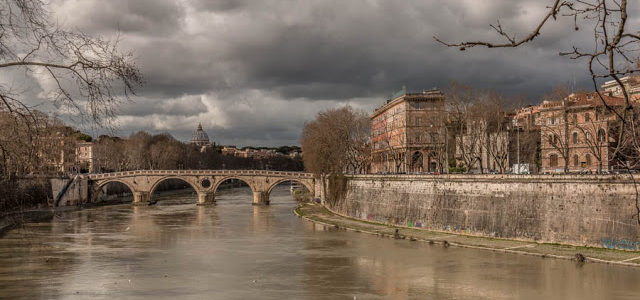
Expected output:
(254, 71)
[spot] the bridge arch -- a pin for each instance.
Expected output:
(98, 188)
(186, 180)
(103, 183)
(300, 181)
(181, 178)
(220, 181)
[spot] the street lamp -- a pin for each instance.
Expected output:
(518, 141)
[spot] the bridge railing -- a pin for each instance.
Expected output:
(200, 172)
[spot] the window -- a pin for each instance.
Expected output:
(553, 160)
(576, 160)
(574, 119)
(553, 139)
(587, 117)
(588, 159)
(575, 137)
(418, 121)
(602, 136)
(417, 139)
(587, 136)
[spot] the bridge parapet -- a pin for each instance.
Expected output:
(200, 172)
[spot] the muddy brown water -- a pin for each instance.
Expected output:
(233, 250)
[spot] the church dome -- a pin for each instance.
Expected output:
(200, 137)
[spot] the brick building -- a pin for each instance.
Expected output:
(409, 134)
(576, 133)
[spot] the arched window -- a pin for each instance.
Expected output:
(587, 136)
(602, 136)
(553, 160)
(576, 160)
(588, 159)
(575, 137)
(416, 161)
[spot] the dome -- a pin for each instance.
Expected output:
(199, 137)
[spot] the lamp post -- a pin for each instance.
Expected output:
(518, 142)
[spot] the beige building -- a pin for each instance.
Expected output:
(84, 156)
(409, 134)
(630, 83)
(483, 149)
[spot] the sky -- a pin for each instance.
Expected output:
(253, 72)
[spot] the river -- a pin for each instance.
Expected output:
(233, 250)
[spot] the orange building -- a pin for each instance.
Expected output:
(409, 134)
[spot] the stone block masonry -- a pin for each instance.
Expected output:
(597, 211)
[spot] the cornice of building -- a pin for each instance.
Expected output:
(425, 95)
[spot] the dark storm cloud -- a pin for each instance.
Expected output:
(254, 71)
(219, 5)
(145, 17)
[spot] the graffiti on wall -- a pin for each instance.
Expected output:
(620, 244)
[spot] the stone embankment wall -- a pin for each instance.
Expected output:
(75, 193)
(580, 210)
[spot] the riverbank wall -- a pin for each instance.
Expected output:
(583, 210)
(69, 191)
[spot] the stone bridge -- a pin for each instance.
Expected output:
(142, 183)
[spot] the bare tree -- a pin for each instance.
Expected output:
(496, 130)
(594, 136)
(614, 54)
(336, 141)
(359, 149)
(84, 77)
(392, 141)
(481, 126)
(91, 76)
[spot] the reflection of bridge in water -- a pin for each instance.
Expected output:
(143, 183)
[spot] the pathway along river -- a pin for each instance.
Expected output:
(176, 250)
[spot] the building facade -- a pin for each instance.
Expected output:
(409, 134)
(84, 156)
(576, 133)
(484, 149)
(630, 83)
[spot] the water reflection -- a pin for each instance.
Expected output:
(234, 250)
